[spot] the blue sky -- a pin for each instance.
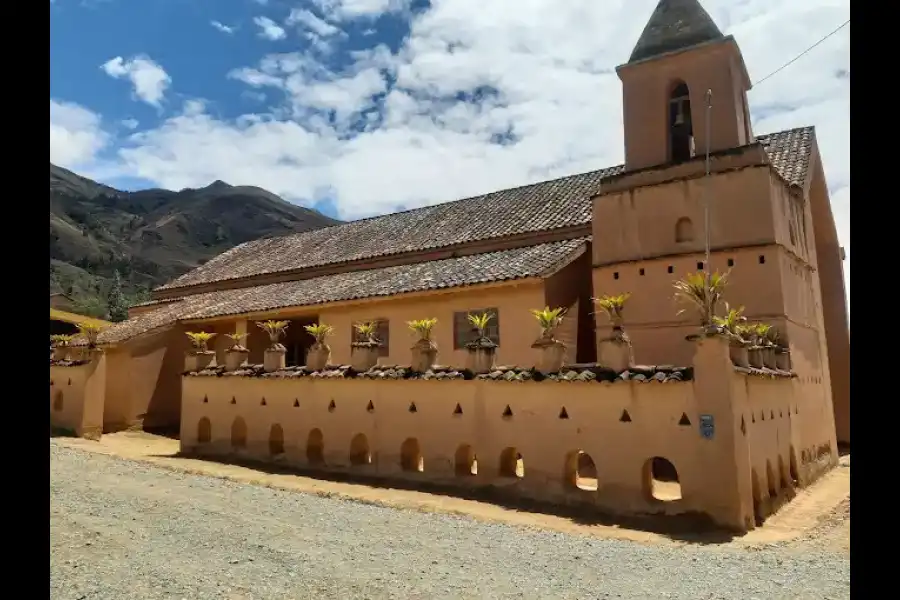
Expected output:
(362, 107)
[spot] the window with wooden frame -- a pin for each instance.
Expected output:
(382, 334)
(463, 332)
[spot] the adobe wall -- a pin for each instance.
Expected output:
(77, 393)
(621, 425)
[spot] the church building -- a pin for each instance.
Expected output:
(695, 176)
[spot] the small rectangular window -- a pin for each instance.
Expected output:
(382, 334)
(463, 332)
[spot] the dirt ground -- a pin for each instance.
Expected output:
(818, 515)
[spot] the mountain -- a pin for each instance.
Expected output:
(153, 236)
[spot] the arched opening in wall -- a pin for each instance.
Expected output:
(204, 431)
(795, 473)
(684, 230)
(757, 497)
(771, 482)
(465, 462)
(411, 456)
(276, 440)
(239, 433)
(661, 480)
(580, 471)
(315, 447)
(359, 450)
(681, 130)
(511, 463)
(58, 401)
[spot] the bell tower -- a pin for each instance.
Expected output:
(680, 57)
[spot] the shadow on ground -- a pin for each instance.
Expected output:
(691, 527)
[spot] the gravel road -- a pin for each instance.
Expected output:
(127, 530)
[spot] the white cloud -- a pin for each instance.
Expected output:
(269, 29)
(130, 123)
(542, 75)
(76, 135)
(150, 80)
(356, 9)
(222, 27)
(312, 22)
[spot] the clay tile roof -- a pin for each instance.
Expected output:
(790, 152)
(675, 25)
(544, 206)
(518, 263)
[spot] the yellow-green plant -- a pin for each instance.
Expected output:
(732, 319)
(199, 339)
(422, 327)
(762, 333)
(365, 332)
(274, 329)
(60, 340)
(319, 331)
(237, 339)
(90, 332)
(480, 323)
(773, 336)
(613, 306)
(703, 292)
(549, 319)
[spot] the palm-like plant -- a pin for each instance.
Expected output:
(549, 319)
(319, 331)
(60, 340)
(703, 292)
(237, 340)
(422, 327)
(200, 339)
(365, 333)
(613, 306)
(732, 320)
(762, 334)
(90, 332)
(274, 329)
(480, 323)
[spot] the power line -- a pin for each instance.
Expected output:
(802, 54)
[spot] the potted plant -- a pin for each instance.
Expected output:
(756, 333)
(731, 324)
(482, 349)
(615, 351)
(273, 359)
(702, 291)
(552, 350)
(60, 345)
(320, 352)
(364, 350)
(424, 351)
(237, 354)
(770, 347)
(200, 356)
(782, 352)
(91, 333)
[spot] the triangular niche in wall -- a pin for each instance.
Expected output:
(205, 400)
(233, 400)
(772, 415)
(625, 418)
(752, 418)
(457, 410)
(332, 406)
(563, 413)
(70, 382)
(412, 407)
(370, 407)
(296, 403)
(743, 426)
(684, 421)
(263, 401)
(507, 412)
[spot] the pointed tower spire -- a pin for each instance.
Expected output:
(675, 25)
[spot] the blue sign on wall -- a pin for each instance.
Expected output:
(707, 426)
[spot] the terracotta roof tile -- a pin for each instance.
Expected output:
(518, 263)
(537, 207)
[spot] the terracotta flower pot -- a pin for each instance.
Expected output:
(273, 358)
(197, 360)
(615, 352)
(739, 354)
(783, 359)
(236, 357)
(755, 356)
(482, 353)
(424, 355)
(364, 355)
(318, 356)
(552, 354)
